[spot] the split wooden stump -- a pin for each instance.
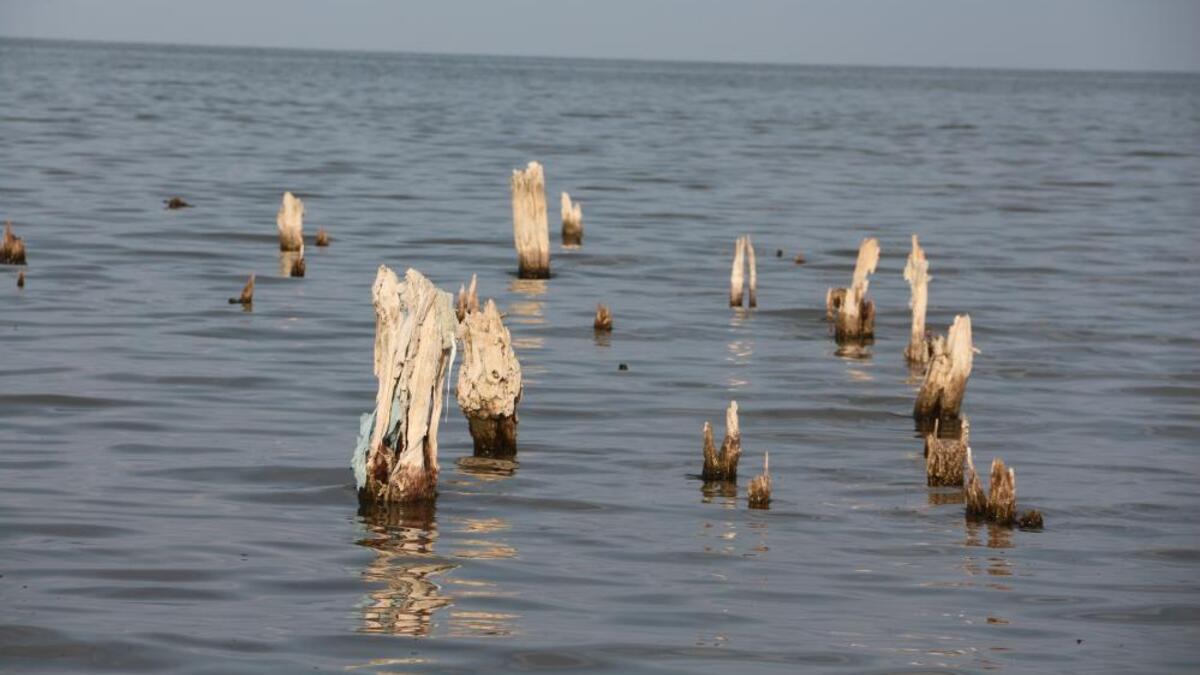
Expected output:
(603, 323)
(290, 221)
(723, 465)
(396, 456)
(489, 382)
(852, 312)
(760, 486)
(12, 247)
(945, 381)
(916, 273)
(531, 233)
(247, 296)
(743, 257)
(468, 299)
(572, 222)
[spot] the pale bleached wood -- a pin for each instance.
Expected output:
(916, 273)
(468, 299)
(531, 233)
(12, 248)
(290, 221)
(572, 222)
(851, 309)
(752, 263)
(759, 492)
(722, 465)
(945, 381)
(414, 345)
(489, 382)
(737, 275)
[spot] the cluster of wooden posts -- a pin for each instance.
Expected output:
(418, 329)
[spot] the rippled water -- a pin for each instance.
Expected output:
(175, 493)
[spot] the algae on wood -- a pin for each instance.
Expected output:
(396, 456)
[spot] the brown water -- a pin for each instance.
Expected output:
(175, 491)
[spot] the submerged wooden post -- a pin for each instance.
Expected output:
(489, 382)
(247, 296)
(396, 456)
(760, 486)
(323, 238)
(916, 273)
(723, 465)
(468, 300)
(751, 262)
(531, 232)
(1002, 494)
(21, 279)
(737, 275)
(572, 222)
(945, 381)
(944, 458)
(604, 319)
(850, 308)
(290, 221)
(12, 248)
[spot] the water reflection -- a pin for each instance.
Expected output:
(288, 260)
(723, 492)
(994, 564)
(414, 577)
(403, 538)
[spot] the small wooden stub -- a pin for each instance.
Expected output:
(12, 247)
(759, 496)
(722, 465)
(572, 222)
(247, 296)
(603, 322)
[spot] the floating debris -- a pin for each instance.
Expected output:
(176, 203)
(395, 459)
(489, 382)
(572, 222)
(622, 366)
(531, 232)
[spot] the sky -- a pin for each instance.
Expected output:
(1054, 34)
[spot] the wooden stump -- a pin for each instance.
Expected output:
(723, 465)
(489, 382)
(944, 459)
(945, 381)
(975, 496)
(323, 238)
(12, 248)
(291, 263)
(290, 221)
(760, 486)
(396, 456)
(21, 279)
(468, 300)
(916, 273)
(751, 261)
(850, 308)
(603, 322)
(572, 222)
(531, 232)
(247, 296)
(1002, 494)
(737, 275)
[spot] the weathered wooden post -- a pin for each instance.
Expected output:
(396, 456)
(760, 486)
(468, 299)
(723, 465)
(21, 279)
(975, 497)
(737, 275)
(290, 221)
(850, 308)
(944, 458)
(247, 296)
(531, 232)
(489, 382)
(1002, 494)
(753, 264)
(572, 222)
(12, 248)
(323, 238)
(945, 381)
(603, 322)
(916, 273)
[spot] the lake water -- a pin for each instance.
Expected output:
(175, 491)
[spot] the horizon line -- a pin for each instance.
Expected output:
(627, 59)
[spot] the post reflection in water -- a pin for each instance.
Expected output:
(528, 311)
(993, 564)
(740, 350)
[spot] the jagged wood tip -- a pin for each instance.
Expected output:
(322, 238)
(852, 311)
(572, 222)
(603, 322)
(290, 221)
(945, 381)
(760, 486)
(12, 248)
(722, 465)
(489, 382)
(468, 299)
(247, 295)
(916, 273)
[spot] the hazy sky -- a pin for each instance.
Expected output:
(1094, 34)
